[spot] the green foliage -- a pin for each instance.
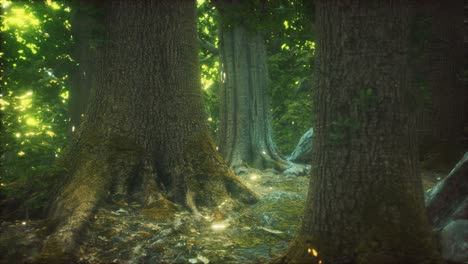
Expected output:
(209, 62)
(291, 50)
(34, 62)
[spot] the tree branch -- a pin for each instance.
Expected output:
(208, 46)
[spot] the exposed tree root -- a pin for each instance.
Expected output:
(203, 180)
(208, 180)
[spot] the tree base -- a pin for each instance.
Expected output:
(204, 180)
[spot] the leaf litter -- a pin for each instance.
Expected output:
(129, 234)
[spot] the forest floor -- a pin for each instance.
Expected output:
(128, 233)
(250, 234)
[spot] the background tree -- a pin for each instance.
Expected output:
(365, 202)
(144, 135)
(286, 31)
(246, 112)
(245, 119)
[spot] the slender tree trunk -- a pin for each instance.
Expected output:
(144, 134)
(245, 118)
(365, 202)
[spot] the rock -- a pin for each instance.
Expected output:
(203, 259)
(447, 199)
(240, 170)
(275, 197)
(447, 209)
(454, 242)
(297, 170)
(120, 211)
(303, 151)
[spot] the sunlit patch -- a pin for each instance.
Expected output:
(67, 24)
(218, 226)
(27, 94)
(18, 18)
(23, 223)
(50, 133)
(21, 153)
(30, 134)
(5, 4)
(3, 103)
(64, 95)
(254, 176)
(53, 5)
(30, 121)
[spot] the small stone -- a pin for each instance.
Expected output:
(203, 259)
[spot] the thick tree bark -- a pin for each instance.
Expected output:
(365, 202)
(438, 31)
(245, 117)
(144, 135)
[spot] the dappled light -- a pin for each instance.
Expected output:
(219, 131)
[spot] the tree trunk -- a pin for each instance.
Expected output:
(365, 202)
(84, 53)
(144, 135)
(440, 70)
(245, 118)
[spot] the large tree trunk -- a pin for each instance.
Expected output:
(365, 202)
(438, 32)
(245, 118)
(144, 134)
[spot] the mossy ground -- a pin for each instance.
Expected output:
(252, 233)
(130, 233)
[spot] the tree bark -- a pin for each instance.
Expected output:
(440, 70)
(144, 135)
(365, 201)
(245, 118)
(84, 30)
